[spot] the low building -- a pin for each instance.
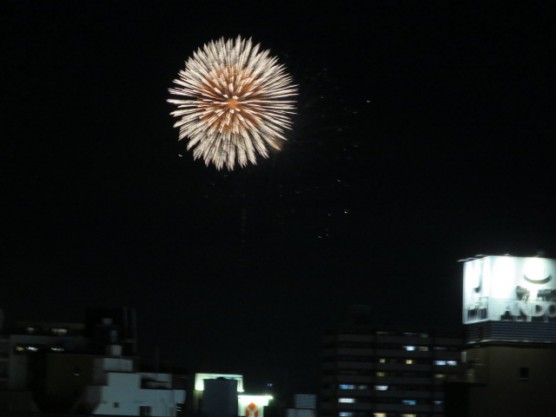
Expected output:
(304, 405)
(27, 341)
(23, 349)
(51, 367)
(116, 389)
(218, 395)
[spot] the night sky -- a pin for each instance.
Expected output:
(423, 135)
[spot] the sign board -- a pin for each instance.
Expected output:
(200, 380)
(511, 288)
(252, 405)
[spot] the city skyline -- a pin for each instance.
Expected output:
(422, 136)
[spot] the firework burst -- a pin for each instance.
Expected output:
(234, 102)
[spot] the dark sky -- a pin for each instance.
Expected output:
(423, 135)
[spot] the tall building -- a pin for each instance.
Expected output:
(380, 372)
(509, 315)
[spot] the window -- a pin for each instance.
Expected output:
(381, 387)
(345, 400)
(409, 415)
(144, 410)
(25, 348)
(409, 348)
(346, 386)
(345, 414)
(409, 361)
(452, 363)
(382, 360)
(116, 405)
(440, 363)
(379, 414)
(381, 374)
(409, 402)
(523, 373)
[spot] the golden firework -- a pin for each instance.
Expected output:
(235, 102)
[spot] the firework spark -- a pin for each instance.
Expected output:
(235, 102)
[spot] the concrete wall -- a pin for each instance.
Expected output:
(123, 395)
(512, 381)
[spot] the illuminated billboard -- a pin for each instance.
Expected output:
(499, 288)
(200, 380)
(252, 405)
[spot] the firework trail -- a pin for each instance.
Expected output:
(234, 102)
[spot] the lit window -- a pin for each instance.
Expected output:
(381, 387)
(409, 415)
(59, 331)
(409, 402)
(345, 414)
(438, 402)
(409, 361)
(362, 387)
(382, 360)
(346, 386)
(30, 330)
(56, 349)
(381, 374)
(32, 348)
(452, 363)
(346, 400)
(439, 376)
(423, 348)
(440, 363)
(379, 414)
(409, 348)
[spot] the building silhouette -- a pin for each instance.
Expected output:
(380, 371)
(88, 368)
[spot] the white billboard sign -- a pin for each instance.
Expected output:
(200, 380)
(509, 288)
